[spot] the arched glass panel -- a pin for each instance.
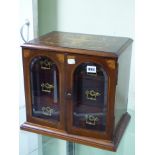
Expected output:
(90, 97)
(44, 88)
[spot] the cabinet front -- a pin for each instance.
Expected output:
(44, 71)
(88, 96)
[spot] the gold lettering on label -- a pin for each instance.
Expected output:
(92, 94)
(45, 64)
(46, 87)
(91, 120)
(47, 111)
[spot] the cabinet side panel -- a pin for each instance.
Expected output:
(122, 88)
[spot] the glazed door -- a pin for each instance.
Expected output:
(89, 95)
(44, 87)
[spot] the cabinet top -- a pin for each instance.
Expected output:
(72, 42)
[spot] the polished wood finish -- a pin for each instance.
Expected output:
(28, 55)
(97, 45)
(111, 53)
(111, 71)
(94, 142)
(120, 129)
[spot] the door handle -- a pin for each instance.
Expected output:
(69, 94)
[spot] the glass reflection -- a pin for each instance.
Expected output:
(90, 97)
(44, 88)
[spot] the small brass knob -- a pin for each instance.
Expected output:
(69, 94)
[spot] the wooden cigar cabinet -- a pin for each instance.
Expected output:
(76, 87)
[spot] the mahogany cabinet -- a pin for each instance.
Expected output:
(76, 87)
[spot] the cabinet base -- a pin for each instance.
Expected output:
(99, 143)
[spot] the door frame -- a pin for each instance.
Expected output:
(110, 66)
(28, 55)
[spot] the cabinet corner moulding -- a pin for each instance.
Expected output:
(76, 87)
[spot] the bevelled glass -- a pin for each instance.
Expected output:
(44, 79)
(90, 97)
